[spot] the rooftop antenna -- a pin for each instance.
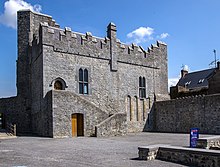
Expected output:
(215, 57)
(215, 61)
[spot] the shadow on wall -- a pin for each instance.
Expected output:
(149, 124)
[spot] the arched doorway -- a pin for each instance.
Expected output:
(77, 125)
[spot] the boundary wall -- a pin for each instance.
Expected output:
(179, 115)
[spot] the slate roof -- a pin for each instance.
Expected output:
(198, 79)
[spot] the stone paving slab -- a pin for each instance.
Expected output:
(84, 151)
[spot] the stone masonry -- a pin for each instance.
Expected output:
(179, 115)
(49, 81)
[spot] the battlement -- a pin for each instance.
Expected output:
(38, 17)
(68, 41)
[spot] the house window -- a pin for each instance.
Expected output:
(142, 87)
(201, 81)
(83, 81)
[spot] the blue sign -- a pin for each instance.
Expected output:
(194, 135)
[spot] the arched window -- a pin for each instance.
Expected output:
(142, 87)
(58, 85)
(83, 81)
(136, 108)
(129, 109)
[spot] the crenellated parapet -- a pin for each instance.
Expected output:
(109, 48)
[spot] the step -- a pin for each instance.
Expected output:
(4, 135)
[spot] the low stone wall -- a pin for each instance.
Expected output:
(16, 112)
(209, 142)
(180, 115)
(112, 126)
(187, 156)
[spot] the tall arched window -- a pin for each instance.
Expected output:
(129, 109)
(83, 81)
(142, 87)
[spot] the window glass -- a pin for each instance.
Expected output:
(80, 74)
(83, 81)
(58, 85)
(140, 82)
(85, 88)
(85, 75)
(81, 88)
(143, 84)
(142, 87)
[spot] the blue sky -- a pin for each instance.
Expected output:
(191, 29)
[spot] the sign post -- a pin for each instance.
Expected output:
(194, 135)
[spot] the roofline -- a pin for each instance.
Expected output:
(201, 71)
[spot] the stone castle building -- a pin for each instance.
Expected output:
(73, 84)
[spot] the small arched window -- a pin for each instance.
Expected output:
(142, 87)
(58, 85)
(83, 81)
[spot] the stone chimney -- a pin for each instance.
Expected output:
(218, 65)
(111, 34)
(184, 71)
(111, 31)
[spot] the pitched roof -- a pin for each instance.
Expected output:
(196, 79)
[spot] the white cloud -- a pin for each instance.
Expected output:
(142, 34)
(164, 35)
(172, 81)
(11, 7)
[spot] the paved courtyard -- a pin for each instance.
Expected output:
(85, 151)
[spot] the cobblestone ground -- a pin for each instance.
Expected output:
(85, 151)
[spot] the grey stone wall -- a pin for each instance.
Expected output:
(47, 52)
(181, 155)
(188, 156)
(29, 68)
(137, 113)
(180, 115)
(214, 83)
(112, 126)
(108, 89)
(42, 121)
(65, 104)
(15, 112)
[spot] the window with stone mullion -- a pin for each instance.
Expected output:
(83, 81)
(142, 87)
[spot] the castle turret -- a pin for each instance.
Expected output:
(28, 24)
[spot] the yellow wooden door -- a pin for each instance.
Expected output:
(74, 125)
